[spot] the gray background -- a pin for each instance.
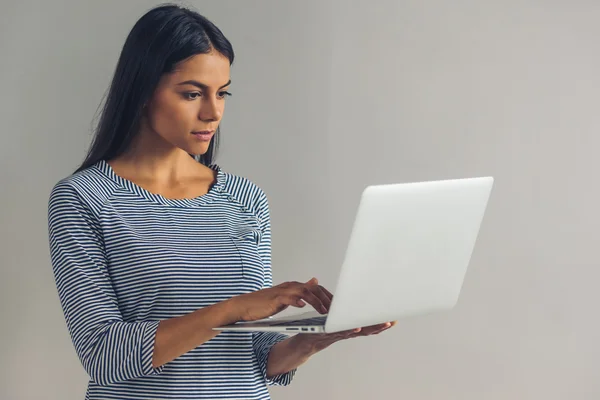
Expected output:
(330, 96)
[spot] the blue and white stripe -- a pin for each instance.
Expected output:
(124, 259)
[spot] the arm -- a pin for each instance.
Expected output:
(288, 355)
(111, 349)
(177, 336)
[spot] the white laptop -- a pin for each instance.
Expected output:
(408, 254)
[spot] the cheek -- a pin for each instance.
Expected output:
(173, 118)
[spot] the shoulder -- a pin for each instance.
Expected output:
(89, 188)
(245, 191)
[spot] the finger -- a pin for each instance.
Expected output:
(297, 296)
(320, 293)
(313, 281)
(291, 300)
(381, 330)
(285, 285)
(328, 293)
(375, 329)
(349, 333)
(366, 331)
(379, 326)
(300, 303)
(305, 293)
(369, 330)
(323, 294)
(354, 334)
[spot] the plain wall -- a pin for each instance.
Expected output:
(438, 89)
(330, 96)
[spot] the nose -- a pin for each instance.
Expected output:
(209, 110)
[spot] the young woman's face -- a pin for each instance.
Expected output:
(188, 104)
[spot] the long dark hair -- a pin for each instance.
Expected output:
(161, 38)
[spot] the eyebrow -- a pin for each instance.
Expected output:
(201, 85)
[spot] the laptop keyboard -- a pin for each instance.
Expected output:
(301, 322)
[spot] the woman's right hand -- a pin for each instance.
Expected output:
(267, 302)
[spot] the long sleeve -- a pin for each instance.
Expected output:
(110, 349)
(263, 342)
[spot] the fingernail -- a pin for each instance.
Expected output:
(387, 325)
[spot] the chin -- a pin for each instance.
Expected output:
(198, 150)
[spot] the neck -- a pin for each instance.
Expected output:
(154, 158)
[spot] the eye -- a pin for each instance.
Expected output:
(192, 95)
(224, 94)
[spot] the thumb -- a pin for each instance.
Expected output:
(313, 281)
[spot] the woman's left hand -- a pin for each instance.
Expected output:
(320, 341)
(296, 350)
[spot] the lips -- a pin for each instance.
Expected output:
(203, 136)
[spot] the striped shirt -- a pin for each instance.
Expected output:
(125, 258)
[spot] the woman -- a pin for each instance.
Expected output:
(153, 244)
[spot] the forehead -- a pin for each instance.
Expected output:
(212, 69)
